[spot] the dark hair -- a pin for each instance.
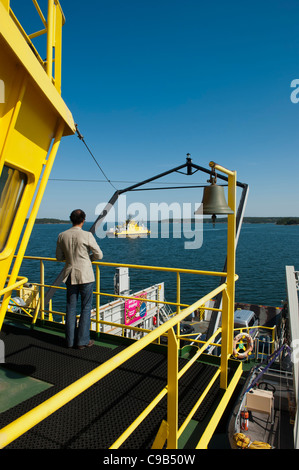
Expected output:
(77, 216)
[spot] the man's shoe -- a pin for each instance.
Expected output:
(91, 343)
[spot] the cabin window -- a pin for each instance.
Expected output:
(12, 184)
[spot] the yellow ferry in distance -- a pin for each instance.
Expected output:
(130, 229)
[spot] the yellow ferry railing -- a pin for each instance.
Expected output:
(30, 419)
(33, 417)
(40, 309)
(53, 30)
(14, 286)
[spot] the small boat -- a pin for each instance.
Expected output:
(130, 228)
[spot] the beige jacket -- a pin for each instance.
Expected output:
(74, 247)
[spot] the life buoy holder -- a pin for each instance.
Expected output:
(244, 339)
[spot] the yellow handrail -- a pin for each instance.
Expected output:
(139, 266)
(52, 28)
(98, 293)
(15, 429)
(13, 286)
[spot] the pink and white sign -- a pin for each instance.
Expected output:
(135, 309)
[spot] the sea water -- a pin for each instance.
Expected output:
(263, 251)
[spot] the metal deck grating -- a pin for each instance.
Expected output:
(97, 417)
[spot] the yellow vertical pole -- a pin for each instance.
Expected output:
(97, 298)
(224, 340)
(178, 299)
(42, 290)
(50, 38)
(178, 292)
(36, 312)
(58, 47)
(50, 310)
(231, 261)
(172, 380)
(229, 296)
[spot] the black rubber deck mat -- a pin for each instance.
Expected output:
(96, 418)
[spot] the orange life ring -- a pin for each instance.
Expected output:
(248, 342)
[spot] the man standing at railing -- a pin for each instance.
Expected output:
(74, 246)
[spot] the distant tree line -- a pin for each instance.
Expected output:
(288, 221)
(272, 220)
(51, 221)
(248, 220)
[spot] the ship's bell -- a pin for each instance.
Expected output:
(214, 201)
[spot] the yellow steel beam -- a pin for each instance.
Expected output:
(173, 390)
(50, 38)
(58, 47)
(210, 429)
(31, 220)
(39, 11)
(14, 39)
(224, 339)
(229, 297)
(42, 290)
(13, 286)
(161, 436)
(121, 439)
(221, 168)
(98, 278)
(198, 403)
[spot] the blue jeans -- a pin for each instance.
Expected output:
(83, 334)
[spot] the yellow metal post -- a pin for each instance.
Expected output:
(50, 310)
(229, 296)
(178, 301)
(97, 298)
(161, 436)
(50, 38)
(42, 290)
(224, 340)
(58, 46)
(231, 256)
(178, 292)
(39, 11)
(172, 380)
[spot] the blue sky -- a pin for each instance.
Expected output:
(150, 81)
